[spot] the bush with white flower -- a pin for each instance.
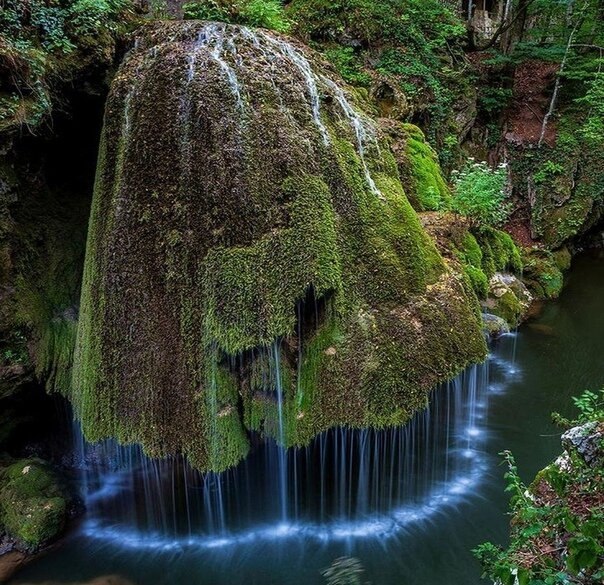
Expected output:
(480, 193)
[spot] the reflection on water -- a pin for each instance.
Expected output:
(409, 503)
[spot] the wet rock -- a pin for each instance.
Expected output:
(33, 504)
(494, 325)
(9, 563)
(508, 298)
(587, 441)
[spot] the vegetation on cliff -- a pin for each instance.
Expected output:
(45, 45)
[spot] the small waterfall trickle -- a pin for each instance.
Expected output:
(219, 43)
(348, 483)
(359, 127)
(282, 453)
(303, 66)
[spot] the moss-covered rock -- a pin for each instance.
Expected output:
(494, 325)
(542, 273)
(478, 253)
(251, 246)
(562, 184)
(418, 166)
(508, 298)
(33, 504)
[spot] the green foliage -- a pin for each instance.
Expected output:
(348, 63)
(542, 274)
(590, 405)
(548, 171)
(493, 100)
(557, 531)
(593, 100)
(42, 40)
(259, 13)
(159, 10)
(416, 44)
(480, 193)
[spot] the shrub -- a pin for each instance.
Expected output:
(557, 529)
(480, 193)
(259, 13)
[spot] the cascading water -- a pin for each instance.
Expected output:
(234, 178)
(349, 483)
(222, 44)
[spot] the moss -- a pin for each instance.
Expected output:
(508, 308)
(478, 280)
(419, 169)
(32, 503)
(471, 251)
(277, 267)
(499, 252)
(236, 219)
(564, 182)
(562, 258)
(483, 252)
(542, 274)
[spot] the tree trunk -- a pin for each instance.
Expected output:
(558, 85)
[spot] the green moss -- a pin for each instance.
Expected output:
(478, 280)
(542, 274)
(419, 169)
(32, 503)
(229, 228)
(562, 258)
(564, 182)
(471, 251)
(508, 308)
(483, 252)
(276, 270)
(499, 252)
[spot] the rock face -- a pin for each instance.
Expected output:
(587, 441)
(253, 263)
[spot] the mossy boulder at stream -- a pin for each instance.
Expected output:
(33, 504)
(250, 239)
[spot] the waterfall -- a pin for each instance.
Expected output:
(282, 454)
(219, 43)
(348, 483)
(359, 127)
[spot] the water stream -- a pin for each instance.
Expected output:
(409, 502)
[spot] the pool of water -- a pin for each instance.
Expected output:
(420, 534)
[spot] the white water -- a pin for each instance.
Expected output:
(349, 484)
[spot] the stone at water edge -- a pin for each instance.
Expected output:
(508, 298)
(495, 325)
(588, 441)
